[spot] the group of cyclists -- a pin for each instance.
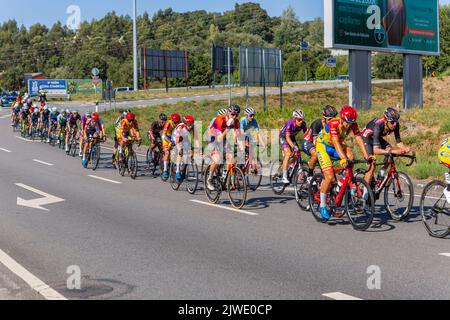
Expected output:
(324, 141)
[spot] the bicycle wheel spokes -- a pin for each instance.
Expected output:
(172, 179)
(132, 164)
(314, 196)
(237, 188)
(301, 188)
(276, 175)
(399, 197)
(254, 175)
(213, 195)
(435, 210)
(360, 204)
(192, 177)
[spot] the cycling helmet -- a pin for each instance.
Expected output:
(54, 109)
(329, 112)
(67, 111)
(189, 120)
(162, 117)
(349, 114)
(444, 153)
(250, 112)
(75, 112)
(64, 112)
(131, 116)
(222, 112)
(392, 115)
(26, 107)
(234, 110)
(95, 116)
(298, 114)
(45, 108)
(88, 114)
(36, 111)
(176, 118)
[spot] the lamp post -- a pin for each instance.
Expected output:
(135, 63)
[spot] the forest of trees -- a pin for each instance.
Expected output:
(107, 44)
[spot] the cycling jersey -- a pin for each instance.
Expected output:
(72, 120)
(168, 129)
(181, 134)
(54, 117)
(246, 125)
(293, 129)
(92, 126)
(45, 115)
(62, 120)
(314, 131)
(156, 129)
(220, 124)
(34, 118)
(125, 128)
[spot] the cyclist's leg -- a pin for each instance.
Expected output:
(327, 168)
(310, 150)
(368, 142)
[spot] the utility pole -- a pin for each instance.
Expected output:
(135, 65)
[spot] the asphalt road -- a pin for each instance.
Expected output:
(141, 240)
(105, 106)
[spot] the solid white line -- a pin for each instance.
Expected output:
(4, 117)
(42, 162)
(35, 283)
(226, 208)
(5, 150)
(103, 179)
(445, 254)
(340, 296)
(26, 140)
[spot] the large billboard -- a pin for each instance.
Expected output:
(156, 63)
(52, 87)
(85, 86)
(398, 26)
(260, 67)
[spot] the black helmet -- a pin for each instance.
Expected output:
(392, 115)
(162, 117)
(329, 112)
(235, 109)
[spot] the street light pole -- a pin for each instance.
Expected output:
(135, 64)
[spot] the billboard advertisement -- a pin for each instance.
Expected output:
(85, 86)
(260, 67)
(52, 87)
(398, 26)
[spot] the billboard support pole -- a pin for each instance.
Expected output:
(281, 81)
(165, 72)
(246, 73)
(145, 69)
(360, 88)
(412, 81)
(229, 76)
(264, 78)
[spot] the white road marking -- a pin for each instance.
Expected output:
(37, 203)
(5, 150)
(35, 283)
(445, 254)
(103, 179)
(26, 140)
(226, 208)
(4, 117)
(340, 296)
(43, 162)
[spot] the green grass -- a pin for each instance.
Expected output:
(422, 129)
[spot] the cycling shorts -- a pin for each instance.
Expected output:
(307, 147)
(326, 154)
(368, 142)
(285, 145)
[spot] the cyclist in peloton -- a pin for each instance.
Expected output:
(93, 128)
(128, 129)
(182, 137)
(53, 121)
(444, 158)
(374, 135)
(331, 145)
(116, 141)
(45, 115)
(62, 123)
(72, 122)
(220, 128)
(250, 127)
(155, 131)
(288, 140)
(168, 143)
(310, 138)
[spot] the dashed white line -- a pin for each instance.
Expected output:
(35, 283)
(5, 150)
(340, 296)
(43, 162)
(104, 179)
(226, 208)
(445, 254)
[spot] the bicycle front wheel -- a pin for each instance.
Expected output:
(301, 188)
(314, 196)
(276, 175)
(192, 177)
(213, 195)
(254, 175)
(399, 197)
(237, 188)
(172, 179)
(360, 204)
(95, 157)
(133, 164)
(435, 209)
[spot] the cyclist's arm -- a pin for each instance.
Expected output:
(360, 142)
(376, 141)
(338, 146)
(289, 140)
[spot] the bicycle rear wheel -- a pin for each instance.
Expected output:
(435, 210)
(237, 188)
(213, 195)
(95, 157)
(360, 204)
(399, 197)
(301, 188)
(174, 183)
(192, 177)
(314, 196)
(73, 148)
(276, 175)
(254, 175)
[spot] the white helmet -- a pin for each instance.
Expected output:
(222, 112)
(54, 109)
(250, 112)
(45, 108)
(36, 111)
(298, 114)
(67, 111)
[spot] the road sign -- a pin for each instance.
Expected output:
(304, 45)
(331, 62)
(51, 86)
(95, 72)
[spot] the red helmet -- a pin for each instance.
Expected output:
(349, 114)
(189, 120)
(131, 116)
(175, 118)
(95, 116)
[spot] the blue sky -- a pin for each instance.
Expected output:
(29, 12)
